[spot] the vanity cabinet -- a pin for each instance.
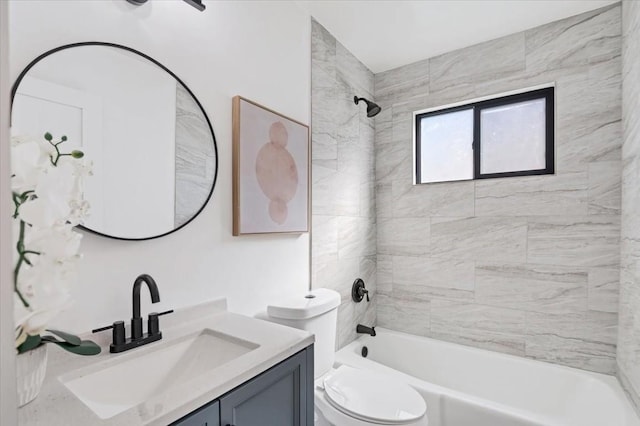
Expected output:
(208, 415)
(281, 396)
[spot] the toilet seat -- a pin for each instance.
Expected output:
(372, 397)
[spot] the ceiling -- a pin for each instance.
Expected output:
(386, 34)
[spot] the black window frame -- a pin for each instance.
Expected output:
(546, 93)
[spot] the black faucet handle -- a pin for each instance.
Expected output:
(108, 327)
(117, 334)
(358, 291)
(153, 324)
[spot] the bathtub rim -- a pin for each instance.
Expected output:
(349, 355)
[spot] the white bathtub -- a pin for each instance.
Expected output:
(464, 386)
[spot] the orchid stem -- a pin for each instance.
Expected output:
(58, 155)
(21, 258)
(16, 202)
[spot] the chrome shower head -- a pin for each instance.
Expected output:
(372, 108)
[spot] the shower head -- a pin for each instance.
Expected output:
(372, 108)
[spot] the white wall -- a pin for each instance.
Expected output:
(259, 50)
(7, 351)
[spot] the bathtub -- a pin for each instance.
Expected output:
(465, 386)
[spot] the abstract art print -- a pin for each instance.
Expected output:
(270, 171)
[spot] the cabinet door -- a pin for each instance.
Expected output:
(209, 415)
(281, 396)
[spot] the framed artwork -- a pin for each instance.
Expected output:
(270, 171)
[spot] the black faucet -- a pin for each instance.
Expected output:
(136, 321)
(120, 343)
(366, 330)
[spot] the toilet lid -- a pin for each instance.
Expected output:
(373, 397)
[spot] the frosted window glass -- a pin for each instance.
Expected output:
(513, 137)
(446, 151)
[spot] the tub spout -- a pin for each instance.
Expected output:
(366, 330)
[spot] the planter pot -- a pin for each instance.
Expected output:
(31, 368)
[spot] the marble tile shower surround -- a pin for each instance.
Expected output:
(529, 265)
(343, 200)
(629, 319)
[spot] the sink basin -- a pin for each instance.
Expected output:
(132, 378)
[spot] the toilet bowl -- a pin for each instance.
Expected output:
(343, 395)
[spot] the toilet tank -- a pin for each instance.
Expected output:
(316, 312)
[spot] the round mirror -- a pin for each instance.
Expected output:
(150, 142)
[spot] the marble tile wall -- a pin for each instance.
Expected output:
(629, 327)
(343, 191)
(529, 265)
(195, 157)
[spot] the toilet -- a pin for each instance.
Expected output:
(346, 396)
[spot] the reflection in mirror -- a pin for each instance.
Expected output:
(151, 143)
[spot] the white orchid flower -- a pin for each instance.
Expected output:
(29, 163)
(34, 321)
(79, 210)
(53, 190)
(82, 169)
(44, 226)
(45, 286)
(20, 335)
(60, 243)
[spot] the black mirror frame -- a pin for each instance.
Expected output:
(129, 49)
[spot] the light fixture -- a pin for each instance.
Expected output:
(197, 4)
(372, 108)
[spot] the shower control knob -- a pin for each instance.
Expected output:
(358, 291)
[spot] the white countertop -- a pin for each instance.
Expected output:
(57, 406)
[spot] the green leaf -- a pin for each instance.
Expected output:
(86, 347)
(48, 136)
(32, 342)
(63, 139)
(51, 339)
(77, 154)
(69, 338)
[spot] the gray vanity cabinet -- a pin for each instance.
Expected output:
(208, 415)
(281, 396)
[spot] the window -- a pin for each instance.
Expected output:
(501, 137)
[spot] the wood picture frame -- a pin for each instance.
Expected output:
(271, 171)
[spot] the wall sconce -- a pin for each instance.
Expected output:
(195, 3)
